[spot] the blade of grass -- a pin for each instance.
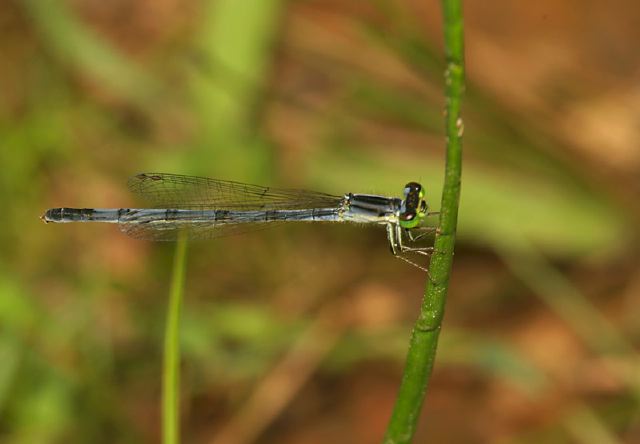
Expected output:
(78, 46)
(171, 364)
(235, 48)
(424, 337)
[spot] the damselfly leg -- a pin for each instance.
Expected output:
(399, 249)
(417, 234)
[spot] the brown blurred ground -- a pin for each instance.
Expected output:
(311, 324)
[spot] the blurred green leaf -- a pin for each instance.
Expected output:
(10, 353)
(235, 47)
(238, 340)
(78, 46)
(17, 311)
(495, 358)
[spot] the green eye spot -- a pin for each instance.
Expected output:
(409, 224)
(409, 220)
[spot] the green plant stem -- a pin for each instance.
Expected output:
(424, 337)
(171, 365)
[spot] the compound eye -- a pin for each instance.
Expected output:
(412, 206)
(411, 188)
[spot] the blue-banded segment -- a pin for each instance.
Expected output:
(163, 216)
(165, 224)
(66, 215)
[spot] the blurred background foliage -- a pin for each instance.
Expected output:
(298, 334)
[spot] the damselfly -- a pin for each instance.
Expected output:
(205, 208)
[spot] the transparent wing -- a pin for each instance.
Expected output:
(163, 190)
(173, 191)
(200, 231)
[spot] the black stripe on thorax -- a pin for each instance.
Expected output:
(378, 205)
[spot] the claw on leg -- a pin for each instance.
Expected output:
(423, 232)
